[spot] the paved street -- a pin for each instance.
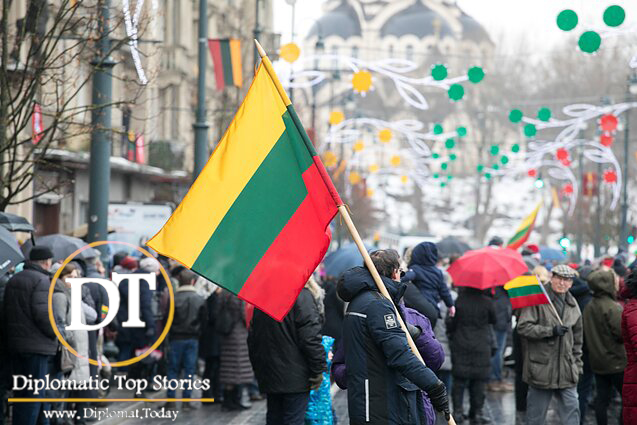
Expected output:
(500, 405)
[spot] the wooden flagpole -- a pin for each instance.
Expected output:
(550, 302)
(342, 209)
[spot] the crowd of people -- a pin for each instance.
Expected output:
(580, 349)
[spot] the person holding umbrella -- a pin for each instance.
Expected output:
(553, 336)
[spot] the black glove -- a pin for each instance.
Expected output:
(439, 398)
(414, 331)
(316, 381)
(559, 330)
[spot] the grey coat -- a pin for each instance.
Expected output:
(551, 362)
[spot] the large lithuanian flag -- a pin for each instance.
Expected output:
(523, 232)
(256, 220)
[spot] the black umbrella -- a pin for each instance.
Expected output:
(452, 246)
(10, 253)
(62, 246)
(15, 223)
(342, 259)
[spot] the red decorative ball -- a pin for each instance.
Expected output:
(606, 140)
(532, 172)
(568, 189)
(610, 176)
(566, 162)
(561, 154)
(608, 122)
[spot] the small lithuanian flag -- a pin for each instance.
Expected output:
(526, 291)
(226, 59)
(256, 220)
(524, 231)
(104, 311)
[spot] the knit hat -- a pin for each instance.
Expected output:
(129, 263)
(564, 271)
(149, 265)
(533, 248)
(40, 253)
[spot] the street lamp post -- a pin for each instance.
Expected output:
(201, 125)
(257, 32)
(631, 91)
(318, 49)
(100, 167)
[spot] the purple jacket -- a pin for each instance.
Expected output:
(430, 349)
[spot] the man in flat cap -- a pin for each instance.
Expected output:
(552, 349)
(29, 332)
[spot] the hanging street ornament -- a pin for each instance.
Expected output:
(614, 16)
(589, 42)
(450, 177)
(495, 149)
(404, 179)
(362, 81)
(530, 130)
(532, 172)
(475, 74)
(495, 166)
(374, 168)
(610, 176)
(435, 155)
(515, 116)
(515, 148)
(438, 129)
(608, 122)
(456, 92)
(453, 157)
(567, 20)
(566, 162)
(480, 167)
(450, 143)
(354, 177)
(289, 52)
(444, 166)
(462, 131)
(443, 184)
(336, 117)
(370, 192)
(439, 72)
(330, 159)
(561, 154)
(487, 176)
(395, 160)
(606, 140)
(435, 175)
(567, 189)
(544, 114)
(504, 159)
(359, 146)
(385, 135)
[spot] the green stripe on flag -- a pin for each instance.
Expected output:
(258, 215)
(226, 59)
(519, 235)
(525, 290)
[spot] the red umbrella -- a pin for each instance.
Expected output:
(487, 267)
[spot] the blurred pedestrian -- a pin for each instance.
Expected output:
(603, 338)
(288, 357)
(30, 335)
(384, 377)
(190, 314)
(553, 351)
(427, 277)
(472, 346)
(501, 330)
(235, 370)
(629, 335)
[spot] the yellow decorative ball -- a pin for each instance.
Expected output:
(330, 159)
(359, 146)
(374, 168)
(404, 179)
(336, 117)
(290, 52)
(395, 160)
(354, 177)
(370, 192)
(362, 81)
(385, 135)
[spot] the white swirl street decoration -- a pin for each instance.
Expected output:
(395, 69)
(418, 151)
(131, 25)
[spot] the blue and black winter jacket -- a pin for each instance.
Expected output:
(383, 375)
(426, 276)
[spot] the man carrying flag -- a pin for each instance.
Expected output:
(551, 329)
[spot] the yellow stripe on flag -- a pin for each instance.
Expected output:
(521, 281)
(235, 55)
(236, 158)
(530, 219)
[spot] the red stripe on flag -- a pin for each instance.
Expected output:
(280, 275)
(529, 300)
(217, 62)
(523, 240)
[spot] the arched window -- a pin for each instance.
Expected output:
(409, 52)
(355, 52)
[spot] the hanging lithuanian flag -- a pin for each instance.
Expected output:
(524, 231)
(256, 220)
(226, 59)
(526, 291)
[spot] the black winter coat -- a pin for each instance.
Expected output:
(285, 355)
(137, 336)
(470, 335)
(210, 340)
(190, 313)
(27, 313)
(383, 375)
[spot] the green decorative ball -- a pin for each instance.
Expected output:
(544, 114)
(589, 42)
(453, 157)
(515, 148)
(496, 167)
(443, 184)
(487, 176)
(439, 72)
(435, 155)
(444, 166)
(480, 167)
(438, 129)
(530, 130)
(475, 74)
(515, 116)
(436, 175)
(504, 159)
(450, 143)
(450, 177)
(495, 149)
(567, 20)
(462, 131)
(614, 16)
(456, 92)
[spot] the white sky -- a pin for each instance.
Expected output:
(534, 19)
